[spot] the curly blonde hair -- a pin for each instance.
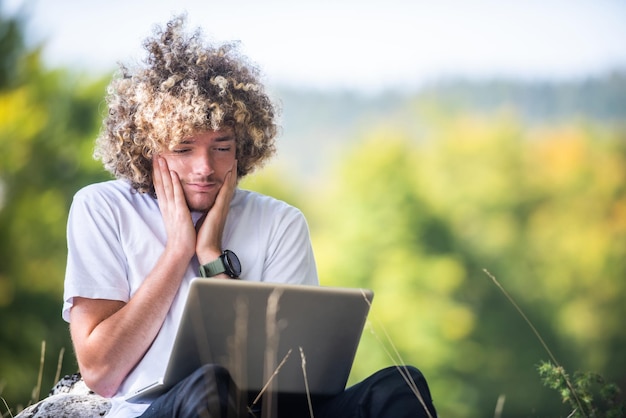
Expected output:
(185, 87)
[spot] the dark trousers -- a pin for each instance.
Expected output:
(210, 392)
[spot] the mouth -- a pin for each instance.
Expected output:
(200, 187)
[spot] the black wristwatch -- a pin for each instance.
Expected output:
(227, 263)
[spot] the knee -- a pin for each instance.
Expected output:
(208, 374)
(401, 388)
(210, 380)
(399, 377)
(214, 372)
(210, 389)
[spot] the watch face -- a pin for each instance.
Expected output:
(233, 262)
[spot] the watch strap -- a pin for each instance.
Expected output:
(213, 268)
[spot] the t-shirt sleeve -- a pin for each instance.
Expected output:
(96, 264)
(290, 257)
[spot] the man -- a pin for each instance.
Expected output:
(180, 132)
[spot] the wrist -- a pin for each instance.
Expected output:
(178, 252)
(208, 255)
(226, 263)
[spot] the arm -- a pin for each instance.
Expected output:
(111, 337)
(211, 226)
(290, 255)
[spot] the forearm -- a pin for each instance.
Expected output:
(111, 338)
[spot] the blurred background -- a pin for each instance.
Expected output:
(424, 142)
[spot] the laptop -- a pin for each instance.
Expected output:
(272, 338)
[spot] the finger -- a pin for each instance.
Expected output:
(166, 179)
(212, 226)
(233, 172)
(233, 178)
(164, 186)
(228, 188)
(156, 176)
(165, 197)
(177, 190)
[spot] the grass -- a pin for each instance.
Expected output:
(588, 394)
(396, 358)
(8, 413)
(36, 393)
(271, 324)
(266, 393)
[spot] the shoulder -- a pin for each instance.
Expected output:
(110, 193)
(111, 189)
(109, 200)
(252, 211)
(262, 205)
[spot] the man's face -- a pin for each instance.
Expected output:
(201, 162)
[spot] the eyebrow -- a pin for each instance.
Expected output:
(223, 138)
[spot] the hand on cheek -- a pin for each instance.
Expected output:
(181, 234)
(210, 230)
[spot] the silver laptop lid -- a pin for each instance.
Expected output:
(269, 336)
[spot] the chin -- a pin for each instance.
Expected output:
(200, 202)
(200, 206)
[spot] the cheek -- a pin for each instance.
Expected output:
(174, 164)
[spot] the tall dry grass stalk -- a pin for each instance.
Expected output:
(396, 359)
(541, 340)
(306, 382)
(499, 406)
(7, 408)
(269, 381)
(271, 351)
(57, 376)
(240, 344)
(37, 390)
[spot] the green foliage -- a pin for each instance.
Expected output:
(48, 120)
(12, 49)
(418, 218)
(587, 394)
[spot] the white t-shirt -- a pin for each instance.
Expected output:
(115, 236)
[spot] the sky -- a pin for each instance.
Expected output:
(351, 44)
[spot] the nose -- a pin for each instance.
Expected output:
(203, 164)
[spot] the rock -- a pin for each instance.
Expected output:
(73, 384)
(70, 397)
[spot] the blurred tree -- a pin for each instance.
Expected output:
(417, 219)
(48, 120)
(544, 216)
(12, 49)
